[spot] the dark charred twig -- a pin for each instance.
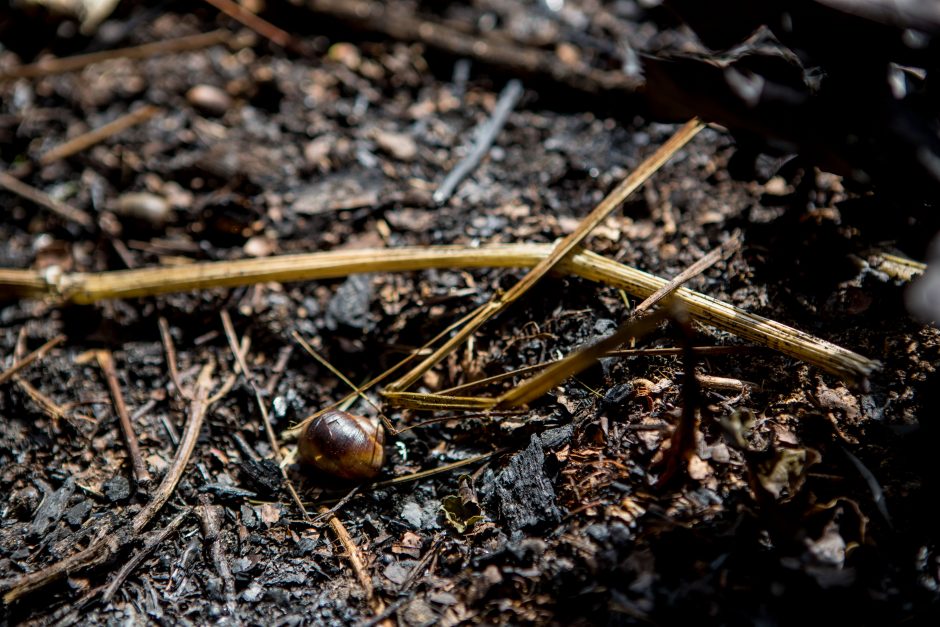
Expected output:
(269, 430)
(106, 362)
(170, 350)
(260, 25)
(98, 135)
(177, 582)
(210, 515)
(153, 541)
(722, 252)
(30, 193)
(48, 67)
(485, 135)
(37, 354)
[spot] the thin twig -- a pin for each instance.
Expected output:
(261, 26)
(106, 362)
(197, 413)
(48, 67)
(269, 430)
(154, 540)
(682, 446)
(424, 474)
(249, 377)
(571, 365)
(722, 252)
(98, 135)
(37, 354)
(486, 134)
(30, 193)
(336, 507)
(358, 565)
(170, 351)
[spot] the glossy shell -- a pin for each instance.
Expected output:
(343, 445)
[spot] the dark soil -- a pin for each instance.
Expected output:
(340, 144)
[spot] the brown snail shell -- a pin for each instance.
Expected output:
(343, 445)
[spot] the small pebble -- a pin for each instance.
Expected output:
(777, 186)
(258, 246)
(209, 99)
(144, 206)
(400, 146)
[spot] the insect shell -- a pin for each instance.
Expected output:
(344, 445)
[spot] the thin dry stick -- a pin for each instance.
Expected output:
(83, 288)
(423, 474)
(106, 362)
(486, 134)
(359, 391)
(269, 430)
(259, 25)
(722, 252)
(46, 405)
(600, 213)
(37, 354)
(95, 136)
(153, 541)
(61, 209)
(355, 559)
(233, 344)
(197, 413)
(48, 67)
(110, 541)
(170, 349)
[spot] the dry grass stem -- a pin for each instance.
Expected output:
(87, 288)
